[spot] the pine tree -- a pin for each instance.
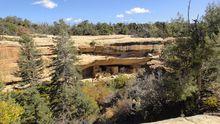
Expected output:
(64, 79)
(30, 70)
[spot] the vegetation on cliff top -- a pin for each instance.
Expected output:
(191, 88)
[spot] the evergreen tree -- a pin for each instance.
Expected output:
(68, 103)
(162, 29)
(64, 79)
(194, 67)
(121, 28)
(178, 27)
(30, 70)
(35, 106)
(58, 27)
(104, 29)
(30, 63)
(212, 19)
(84, 28)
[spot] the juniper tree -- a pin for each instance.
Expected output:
(30, 70)
(194, 68)
(64, 79)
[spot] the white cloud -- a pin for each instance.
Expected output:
(73, 20)
(77, 20)
(68, 19)
(120, 16)
(137, 10)
(46, 3)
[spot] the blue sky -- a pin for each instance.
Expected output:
(74, 11)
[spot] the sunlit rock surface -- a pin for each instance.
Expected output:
(198, 119)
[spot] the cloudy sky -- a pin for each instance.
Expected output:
(74, 11)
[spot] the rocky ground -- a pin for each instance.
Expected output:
(198, 119)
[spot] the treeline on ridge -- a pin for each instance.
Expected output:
(191, 87)
(13, 25)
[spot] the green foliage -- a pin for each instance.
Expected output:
(1, 86)
(12, 25)
(110, 92)
(30, 63)
(84, 28)
(212, 19)
(178, 27)
(211, 102)
(30, 70)
(175, 54)
(87, 108)
(67, 103)
(178, 86)
(217, 52)
(193, 61)
(104, 29)
(92, 44)
(17, 26)
(59, 27)
(212, 23)
(98, 91)
(162, 29)
(120, 28)
(8, 28)
(10, 112)
(120, 81)
(190, 58)
(188, 90)
(35, 106)
(139, 30)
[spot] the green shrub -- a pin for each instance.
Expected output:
(120, 81)
(97, 91)
(211, 102)
(10, 113)
(87, 108)
(92, 44)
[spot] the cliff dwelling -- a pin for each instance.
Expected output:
(99, 56)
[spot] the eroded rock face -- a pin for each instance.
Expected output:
(198, 119)
(114, 52)
(8, 62)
